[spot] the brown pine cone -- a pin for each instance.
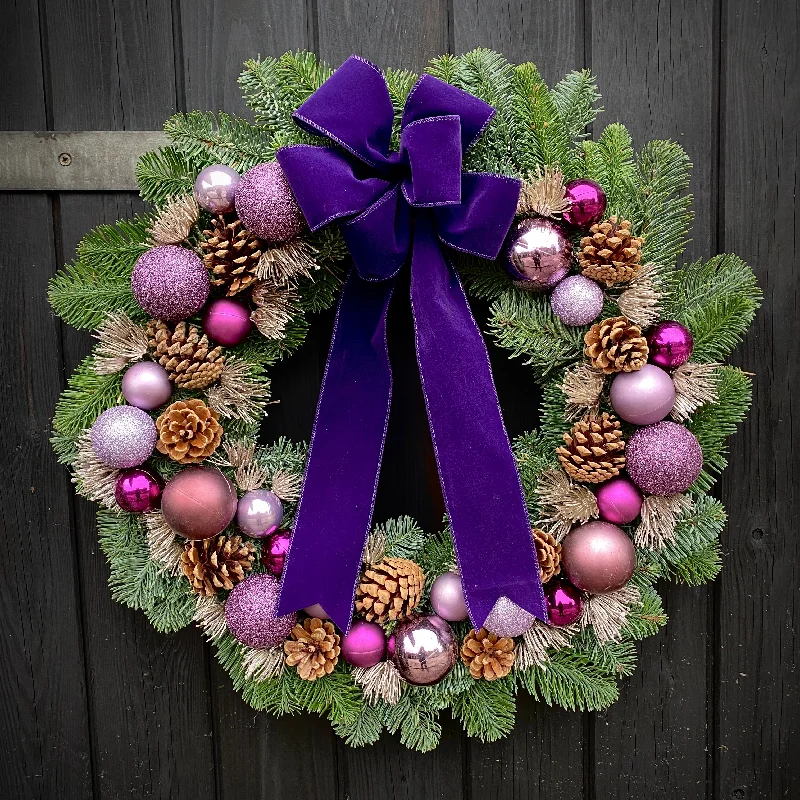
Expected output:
(616, 345)
(611, 254)
(594, 449)
(213, 564)
(231, 255)
(487, 655)
(314, 649)
(390, 589)
(188, 431)
(185, 353)
(548, 551)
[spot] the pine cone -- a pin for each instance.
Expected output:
(390, 589)
(611, 254)
(314, 649)
(231, 255)
(594, 449)
(185, 353)
(548, 551)
(487, 655)
(188, 431)
(213, 564)
(616, 345)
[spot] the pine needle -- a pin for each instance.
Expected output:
(543, 194)
(695, 386)
(659, 517)
(93, 479)
(121, 342)
(209, 616)
(238, 395)
(381, 682)
(608, 613)
(275, 308)
(582, 385)
(640, 302)
(281, 265)
(538, 639)
(161, 543)
(564, 502)
(175, 220)
(263, 665)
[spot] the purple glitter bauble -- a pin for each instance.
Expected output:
(447, 597)
(424, 649)
(123, 436)
(577, 300)
(259, 513)
(588, 203)
(146, 385)
(274, 552)
(138, 490)
(670, 344)
(538, 254)
(644, 396)
(215, 188)
(508, 619)
(227, 322)
(266, 206)
(619, 501)
(250, 612)
(598, 557)
(364, 645)
(564, 603)
(665, 458)
(170, 282)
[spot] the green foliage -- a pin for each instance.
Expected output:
(404, 538)
(416, 717)
(487, 710)
(166, 172)
(575, 97)
(610, 161)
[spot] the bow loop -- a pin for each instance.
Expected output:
(432, 147)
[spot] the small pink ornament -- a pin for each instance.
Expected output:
(424, 649)
(123, 436)
(215, 188)
(317, 611)
(588, 203)
(577, 300)
(138, 490)
(266, 205)
(250, 612)
(598, 557)
(227, 322)
(619, 501)
(538, 254)
(564, 602)
(447, 597)
(665, 458)
(670, 344)
(259, 513)
(273, 554)
(365, 644)
(642, 397)
(508, 619)
(199, 502)
(146, 385)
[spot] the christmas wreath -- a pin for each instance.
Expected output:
(475, 174)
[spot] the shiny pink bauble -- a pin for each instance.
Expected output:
(538, 254)
(317, 611)
(250, 613)
(215, 188)
(274, 552)
(642, 397)
(664, 458)
(598, 557)
(259, 513)
(670, 344)
(266, 205)
(227, 322)
(619, 500)
(447, 597)
(364, 645)
(588, 203)
(146, 385)
(138, 490)
(199, 502)
(564, 602)
(424, 649)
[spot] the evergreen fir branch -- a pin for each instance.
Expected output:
(365, 728)
(399, 82)
(260, 83)
(486, 280)
(416, 716)
(166, 173)
(617, 659)
(265, 351)
(610, 162)
(336, 695)
(437, 556)
(552, 422)
(300, 74)
(404, 537)
(534, 454)
(446, 68)
(487, 710)
(575, 97)
(645, 619)
(277, 696)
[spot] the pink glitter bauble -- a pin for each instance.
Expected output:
(227, 322)
(250, 612)
(644, 396)
(508, 619)
(138, 490)
(364, 645)
(123, 436)
(564, 602)
(424, 649)
(170, 282)
(538, 254)
(664, 458)
(598, 557)
(577, 300)
(146, 385)
(588, 203)
(199, 502)
(447, 597)
(670, 344)
(259, 513)
(618, 500)
(266, 206)
(215, 188)
(274, 552)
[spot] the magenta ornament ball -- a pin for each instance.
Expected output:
(259, 513)
(577, 300)
(170, 282)
(123, 436)
(670, 344)
(564, 602)
(665, 458)
(364, 645)
(588, 203)
(227, 322)
(424, 649)
(508, 619)
(250, 612)
(644, 396)
(138, 491)
(199, 502)
(447, 597)
(266, 206)
(538, 254)
(215, 188)
(274, 553)
(146, 385)
(598, 557)
(619, 500)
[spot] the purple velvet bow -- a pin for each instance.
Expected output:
(390, 205)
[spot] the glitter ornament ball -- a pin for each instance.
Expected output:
(447, 597)
(250, 612)
(365, 644)
(227, 322)
(259, 513)
(670, 344)
(146, 385)
(274, 552)
(138, 490)
(199, 502)
(618, 500)
(266, 206)
(215, 188)
(598, 557)
(664, 458)
(588, 203)
(424, 649)
(538, 254)
(642, 397)
(170, 282)
(577, 300)
(508, 619)
(564, 603)
(123, 436)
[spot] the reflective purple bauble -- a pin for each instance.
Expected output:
(227, 322)
(250, 612)
(447, 597)
(618, 500)
(364, 645)
(199, 502)
(146, 385)
(577, 300)
(215, 188)
(138, 490)
(266, 206)
(259, 513)
(538, 254)
(123, 436)
(170, 282)
(665, 458)
(424, 649)
(317, 611)
(508, 619)
(588, 203)
(598, 557)
(642, 397)
(670, 344)
(274, 552)
(564, 602)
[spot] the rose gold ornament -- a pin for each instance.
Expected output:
(424, 649)
(199, 502)
(598, 557)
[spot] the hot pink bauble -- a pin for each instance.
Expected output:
(588, 203)
(619, 501)
(227, 322)
(447, 597)
(364, 645)
(266, 205)
(250, 612)
(564, 602)
(215, 188)
(538, 254)
(274, 552)
(665, 458)
(259, 513)
(424, 649)
(598, 557)
(670, 344)
(146, 385)
(642, 397)
(138, 490)
(199, 502)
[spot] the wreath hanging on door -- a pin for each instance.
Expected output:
(474, 174)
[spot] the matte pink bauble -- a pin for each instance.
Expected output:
(266, 205)
(274, 552)
(259, 513)
(619, 500)
(588, 203)
(447, 597)
(424, 649)
(642, 397)
(538, 254)
(123, 436)
(598, 557)
(199, 502)
(364, 645)
(146, 385)
(138, 490)
(665, 458)
(564, 602)
(317, 611)
(670, 344)
(227, 322)
(250, 612)
(215, 188)
(508, 619)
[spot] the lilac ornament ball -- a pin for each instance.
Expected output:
(199, 502)
(577, 300)
(317, 611)
(259, 513)
(598, 557)
(665, 458)
(215, 188)
(227, 322)
(564, 603)
(588, 203)
(123, 436)
(619, 501)
(644, 396)
(447, 597)
(266, 206)
(170, 282)
(250, 612)
(670, 344)
(538, 254)
(146, 385)
(274, 553)
(138, 491)
(508, 619)
(424, 649)
(364, 645)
